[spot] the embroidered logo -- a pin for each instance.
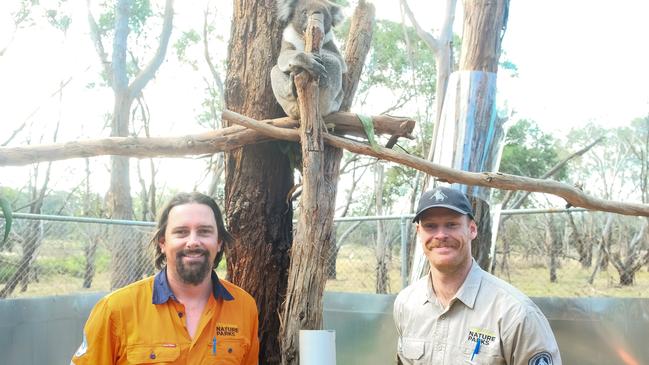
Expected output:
(224, 329)
(542, 358)
(486, 337)
(82, 348)
(438, 196)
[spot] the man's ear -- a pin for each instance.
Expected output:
(161, 242)
(473, 229)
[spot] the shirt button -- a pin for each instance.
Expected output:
(441, 318)
(152, 356)
(180, 314)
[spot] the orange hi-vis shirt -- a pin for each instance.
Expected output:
(143, 323)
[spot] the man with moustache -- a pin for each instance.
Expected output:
(458, 313)
(184, 314)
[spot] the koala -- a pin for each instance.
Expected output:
(329, 65)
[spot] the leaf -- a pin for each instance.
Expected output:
(368, 127)
(6, 211)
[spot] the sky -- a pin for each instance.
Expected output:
(578, 61)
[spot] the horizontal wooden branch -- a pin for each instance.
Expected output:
(220, 140)
(570, 193)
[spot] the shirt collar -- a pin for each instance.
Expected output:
(162, 292)
(469, 289)
(467, 292)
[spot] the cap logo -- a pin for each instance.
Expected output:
(438, 196)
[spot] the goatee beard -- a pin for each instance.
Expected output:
(194, 273)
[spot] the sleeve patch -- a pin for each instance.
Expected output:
(82, 348)
(541, 358)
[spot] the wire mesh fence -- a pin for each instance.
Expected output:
(542, 254)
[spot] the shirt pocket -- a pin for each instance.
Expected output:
(485, 356)
(228, 351)
(414, 349)
(151, 354)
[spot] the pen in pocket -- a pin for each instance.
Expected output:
(476, 349)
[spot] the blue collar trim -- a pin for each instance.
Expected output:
(162, 292)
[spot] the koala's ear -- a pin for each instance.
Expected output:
(285, 9)
(337, 16)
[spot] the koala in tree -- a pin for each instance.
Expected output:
(328, 65)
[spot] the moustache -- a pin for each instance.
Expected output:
(199, 251)
(433, 243)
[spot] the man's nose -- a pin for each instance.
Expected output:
(192, 239)
(440, 234)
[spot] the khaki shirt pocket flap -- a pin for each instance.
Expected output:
(151, 354)
(412, 349)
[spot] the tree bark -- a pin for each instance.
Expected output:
(257, 177)
(381, 249)
(308, 301)
(574, 196)
(484, 27)
(220, 140)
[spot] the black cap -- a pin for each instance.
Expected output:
(442, 197)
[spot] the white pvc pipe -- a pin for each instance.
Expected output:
(317, 347)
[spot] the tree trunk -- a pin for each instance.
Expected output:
(89, 273)
(258, 177)
(484, 26)
(381, 250)
(627, 278)
(313, 243)
(583, 247)
(469, 134)
(124, 252)
(553, 247)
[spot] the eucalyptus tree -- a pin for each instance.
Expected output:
(123, 73)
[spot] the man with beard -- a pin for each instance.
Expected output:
(185, 314)
(458, 313)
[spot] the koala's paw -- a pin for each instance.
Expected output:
(311, 63)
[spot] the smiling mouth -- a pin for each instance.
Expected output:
(193, 255)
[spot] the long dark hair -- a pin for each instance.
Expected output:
(186, 198)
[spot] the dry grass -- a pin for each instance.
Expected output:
(356, 273)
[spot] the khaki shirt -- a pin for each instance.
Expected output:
(510, 327)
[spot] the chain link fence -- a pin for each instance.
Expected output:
(542, 254)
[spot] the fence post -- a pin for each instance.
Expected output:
(404, 252)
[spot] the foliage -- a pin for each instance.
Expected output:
(529, 151)
(187, 39)
(74, 265)
(139, 14)
(390, 65)
(607, 169)
(58, 17)
(7, 214)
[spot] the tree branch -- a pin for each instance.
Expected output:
(220, 140)
(147, 74)
(571, 194)
(548, 174)
(206, 53)
(95, 35)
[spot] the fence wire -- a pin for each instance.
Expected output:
(541, 254)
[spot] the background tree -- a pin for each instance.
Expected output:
(259, 177)
(118, 22)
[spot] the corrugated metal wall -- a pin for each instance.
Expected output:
(597, 331)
